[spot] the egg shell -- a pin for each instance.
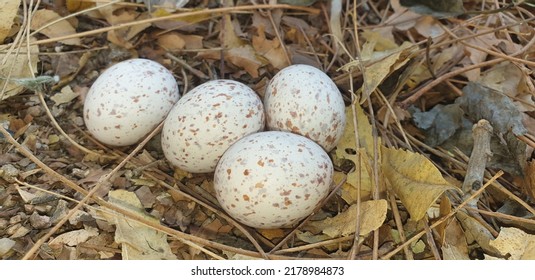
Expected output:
(207, 120)
(272, 179)
(302, 99)
(128, 100)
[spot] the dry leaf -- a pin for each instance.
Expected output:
(138, 242)
(347, 149)
(379, 64)
(175, 41)
(383, 38)
(171, 41)
(517, 243)
(65, 96)
(59, 29)
(414, 179)
(271, 234)
(114, 15)
(508, 78)
(73, 238)
(455, 246)
(16, 67)
(429, 27)
(373, 214)
(8, 12)
(272, 50)
(481, 102)
(310, 238)
(236, 50)
(78, 5)
(475, 231)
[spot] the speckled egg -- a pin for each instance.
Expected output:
(128, 100)
(272, 179)
(207, 120)
(302, 99)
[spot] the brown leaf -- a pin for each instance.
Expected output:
(8, 12)
(78, 5)
(59, 29)
(272, 50)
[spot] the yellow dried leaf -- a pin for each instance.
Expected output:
(517, 243)
(382, 41)
(373, 214)
(414, 179)
(78, 5)
(347, 149)
(8, 12)
(384, 63)
(378, 65)
(138, 242)
(272, 233)
(62, 28)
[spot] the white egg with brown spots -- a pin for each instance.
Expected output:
(207, 120)
(302, 99)
(272, 179)
(128, 100)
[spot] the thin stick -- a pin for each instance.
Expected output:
(399, 226)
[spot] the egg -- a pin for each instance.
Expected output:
(272, 179)
(128, 100)
(207, 120)
(302, 99)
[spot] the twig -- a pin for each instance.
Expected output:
(431, 240)
(481, 154)
(399, 226)
(187, 66)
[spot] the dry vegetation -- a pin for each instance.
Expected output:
(407, 71)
